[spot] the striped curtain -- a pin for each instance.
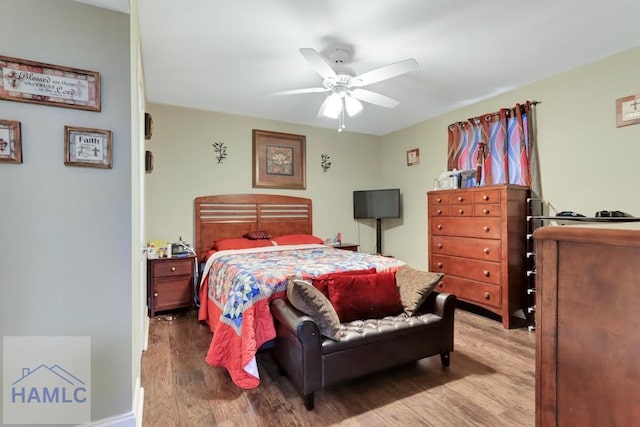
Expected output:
(500, 146)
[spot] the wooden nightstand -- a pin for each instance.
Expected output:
(169, 284)
(347, 246)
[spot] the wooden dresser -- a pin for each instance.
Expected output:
(587, 325)
(477, 237)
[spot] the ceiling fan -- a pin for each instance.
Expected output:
(346, 87)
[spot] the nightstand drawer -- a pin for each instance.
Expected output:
(172, 293)
(168, 268)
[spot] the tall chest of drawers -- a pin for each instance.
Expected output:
(477, 238)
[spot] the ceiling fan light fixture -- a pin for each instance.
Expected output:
(332, 106)
(352, 105)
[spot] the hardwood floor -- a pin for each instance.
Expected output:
(490, 383)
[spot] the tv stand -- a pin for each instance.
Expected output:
(378, 236)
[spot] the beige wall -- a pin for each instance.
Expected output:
(587, 163)
(186, 167)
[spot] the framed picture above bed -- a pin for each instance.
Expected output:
(279, 160)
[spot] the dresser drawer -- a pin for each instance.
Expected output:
(486, 196)
(167, 268)
(441, 199)
(486, 210)
(471, 291)
(439, 210)
(466, 227)
(461, 210)
(482, 271)
(484, 249)
(462, 198)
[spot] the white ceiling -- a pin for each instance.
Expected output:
(231, 55)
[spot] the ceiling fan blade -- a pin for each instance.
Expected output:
(374, 98)
(385, 72)
(306, 90)
(318, 63)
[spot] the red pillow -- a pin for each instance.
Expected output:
(366, 296)
(322, 282)
(239, 243)
(297, 239)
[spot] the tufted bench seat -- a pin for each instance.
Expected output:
(313, 361)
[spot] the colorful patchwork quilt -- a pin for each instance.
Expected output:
(239, 285)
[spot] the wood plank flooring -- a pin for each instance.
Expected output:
(490, 383)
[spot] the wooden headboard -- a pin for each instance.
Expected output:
(232, 215)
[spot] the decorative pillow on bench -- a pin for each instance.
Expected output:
(309, 300)
(415, 286)
(365, 296)
(322, 282)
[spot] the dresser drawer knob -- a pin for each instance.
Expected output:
(439, 200)
(173, 269)
(486, 273)
(486, 295)
(439, 245)
(439, 265)
(460, 198)
(460, 211)
(155, 294)
(486, 251)
(439, 227)
(441, 285)
(486, 229)
(485, 197)
(485, 211)
(439, 212)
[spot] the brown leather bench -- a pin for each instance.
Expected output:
(313, 361)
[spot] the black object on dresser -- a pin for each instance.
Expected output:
(169, 284)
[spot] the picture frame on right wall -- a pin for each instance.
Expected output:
(413, 157)
(628, 110)
(10, 142)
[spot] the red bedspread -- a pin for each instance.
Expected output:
(238, 285)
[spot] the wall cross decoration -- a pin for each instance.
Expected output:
(324, 162)
(221, 151)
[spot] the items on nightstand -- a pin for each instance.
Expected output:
(181, 249)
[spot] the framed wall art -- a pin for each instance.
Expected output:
(413, 157)
(10, 142)
(87, 147)
(628, 110)
(278, 160)
(148, 126)
(40, 83)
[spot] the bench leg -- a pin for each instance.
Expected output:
(308, 401)
(444, 358)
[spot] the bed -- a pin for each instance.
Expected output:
(237, 285)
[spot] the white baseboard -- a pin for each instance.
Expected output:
(145, 334)
(123, 420)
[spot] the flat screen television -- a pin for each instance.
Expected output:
(376, 203)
